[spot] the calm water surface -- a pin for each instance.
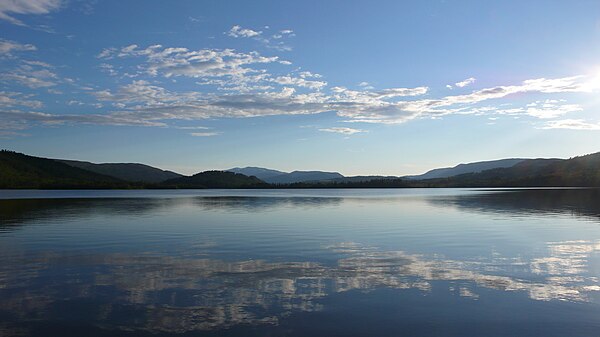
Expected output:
(408, 262)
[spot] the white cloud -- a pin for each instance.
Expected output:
(237, 31)
(145, 101)
(550, 109)
(376, 110)
(32, 117)
(300, 82)
(244, 85)
(7, 47)
(465, 83)
(308, 74)
(75, 102)
(366, 86)
(273, 42)
(106, 53)
(10, 7)
(172, 62)
(13, 99)
(342, 130)
(540, 109)
(283, 33)
(571, 124)
(205, 134)
(37, 64)
(32, 76)
(191, 127)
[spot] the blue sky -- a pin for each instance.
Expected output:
(386, 87)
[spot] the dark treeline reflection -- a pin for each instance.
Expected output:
(14, 212)
(18, 211)
(579, 202)
(582, 202)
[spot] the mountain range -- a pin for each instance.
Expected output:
(279, 177)
(18, 170)
(466, 168)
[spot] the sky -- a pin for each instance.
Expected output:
(358, 87)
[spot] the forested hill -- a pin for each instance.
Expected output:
(22, 171)
(132, 172)
(215, 179)
(583, 171)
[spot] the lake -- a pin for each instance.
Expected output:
(390, 262)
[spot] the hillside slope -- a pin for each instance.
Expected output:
(583, 171)
(21, 171)
(131, 172)
(466, 168)
(214, 179)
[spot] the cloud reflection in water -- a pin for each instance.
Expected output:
(171, 294)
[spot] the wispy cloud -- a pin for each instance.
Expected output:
(8, 8)
(237, 84)
(551, 109)
(283, 33)
(572, 124)
(8, 47)
(205, 134)
(465, 82)
(203, 63)
(273, 41)
(342, 130)
(366, 85)
(32, 75)
(15, 99)
(238, 31)
(300, 82)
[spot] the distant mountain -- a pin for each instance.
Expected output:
(125, 171)
(303, 176)
(279, 177)
(361, 179)
(214, 179)
(466, 168)
(258, 172)
(21, 171)
(583, 171)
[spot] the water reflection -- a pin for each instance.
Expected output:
(165, 293)
(579, 202)
(17, 211)
(200, 285)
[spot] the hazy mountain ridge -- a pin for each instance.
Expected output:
(304, 176)
(278, 177)
(259, 172)
(358, 179)
(459, 169)
(582, 171)
(132, 172)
